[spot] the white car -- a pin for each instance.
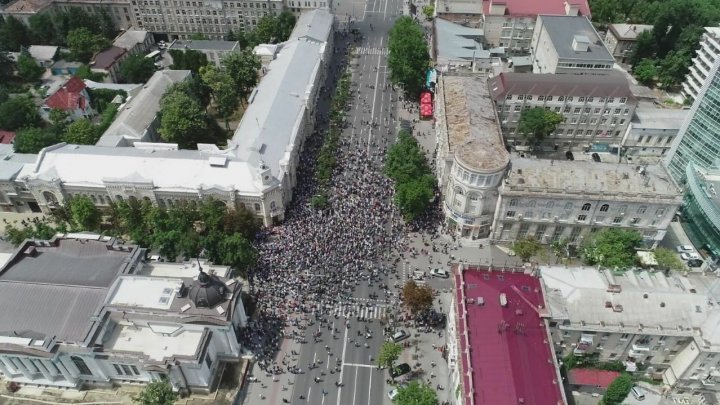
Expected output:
(439, 273)
(392, 393)
(684, 248)
(689, 255)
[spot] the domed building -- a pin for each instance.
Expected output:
(207, 291)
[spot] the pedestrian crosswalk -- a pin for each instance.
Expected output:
(363, 311)
(364, 50)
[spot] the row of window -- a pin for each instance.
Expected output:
(163, 203)
(580, 218)
(601, 100)
(573, 132)
(201, 4)
(587, 207)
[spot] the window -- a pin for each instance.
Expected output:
(604, 208)
(660, 211)
(617, 111)
(576, 110)
(513, 202)
(549, 204)
(566, 109)
(83, 369)
(541, 98)
(528, 97)
(540, 232)
(642, 209)
(548, 98)
(569, 98)
(617, 220)
(581, 99)
(582, 217)
(623, 100)
(561, 98)
(208, 361)
(611, 99)
(586, 207)
(568, 206)
(257, 207)
(510, 214)
(521, 97)
(635, 221)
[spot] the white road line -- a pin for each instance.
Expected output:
(370, 388)
(385, 16)
(372, 114)
(360, 365)
(327, 363)
(342, 368)
(355, 386)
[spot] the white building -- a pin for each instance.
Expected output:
(82, 310)
(664, 325)
(214, 50)
(622, 38)
(471, 159)
(569, 44)
(703, 63)
(553, 200)
(651, 132)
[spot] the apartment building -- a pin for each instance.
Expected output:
(703, 63)
(510, 23)
(82, 310)
(621, 39)
(651, 132)
(664, 327)
(597, 109)
(554, 200)
(569, 44)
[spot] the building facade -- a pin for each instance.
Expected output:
(106, 317)
(620, 39)
(597, 109)
(471, 159)
(215, 51)
(701, 209)
(651, 132)
(569, 44)
(568, 200)
(134, 41)
(703, 63)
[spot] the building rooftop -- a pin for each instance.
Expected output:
(275, 108)
(564, 30)
(128, 39)
(456, 42)
(592, 300)
(649, 116)
(204, 45)
(547, 84)
(6, 137)
(187, 269)
(473, 132)
(533, 7)
(138, 113)
(461, 7)
(26, 6)
(592, 377)
(55, 288)
(42, 52)
(68, 97)
(315, 25)
(628, 32)
(156, 343)
(162, 168)
(107, 58)
(504, 349)
(587, 177)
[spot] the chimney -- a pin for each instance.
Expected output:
(572, 9)
(497, 7)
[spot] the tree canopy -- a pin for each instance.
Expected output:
(18, 112)
(188, 59)
(32, 140)
(28, 69)
(137, 69)
(537, 123)
(414, 182)
(416, 393)
(611, 248)
(526, 248)
(389, 353)
(408, 58)
(417, 297)
(242, 68)
(618, 390)
(156, 393)
(82, 132)
(83, 43)
(224, 93)
(668, 260)
(85, 215)
(182, 119)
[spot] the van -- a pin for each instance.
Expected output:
(638, 393)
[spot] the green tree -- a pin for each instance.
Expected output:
(416, 393)
(674, 68)
(83, 43)
(18, 112)
(409, 57)
(414, 182)
(537, 123)
(13, 34)
(7, 68)
(32, 140)
(236, 251)
(223, 91)
(266, 29)
(42, 29)
(85, 73)
(58, 119)
(243, 67)
(137, 69)
(28, 69)
(198, 36)
(389, 353)
(646, 71)
(156, 393)
(611, 248)
(428, 11)
(618, 390)
(668, 260)
(85, 215)
(285, 23)
(182, 119)
(415, 196)
(417, 297)
(188, 59)
(644, 48)
(526, 248)
(82, 132)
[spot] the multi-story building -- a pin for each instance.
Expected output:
(597, 109)
(215, 51)
(701, 209)
(569, 45)
(651, 132)
(703, 63)
(553, 200)
(665, 327)
(510, 23)
(621, 39)
(471, 158)
(82, 310)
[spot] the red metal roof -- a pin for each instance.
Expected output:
(69, 96)
(536, 7)
(108, 57)
(6, 137)
(505, 353)
(592, 376)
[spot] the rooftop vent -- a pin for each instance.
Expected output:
(580, 43)
(618, 308)
(614, 288)
(662, 305)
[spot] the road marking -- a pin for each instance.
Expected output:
(342, 368)
(372, 113)
(384, 18)
(360, 365)
(370, 386)
(355, 386)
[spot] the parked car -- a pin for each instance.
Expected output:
(689, 256)
(638, 393)
(400, 335)
(684, 248)
(392, 393)
(439, 273)
(695, 263)
(399, 370)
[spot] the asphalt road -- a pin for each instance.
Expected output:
(373, 101)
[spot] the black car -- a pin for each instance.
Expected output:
(399, 370)
(695, 263)
(569, 155)
(595, 157)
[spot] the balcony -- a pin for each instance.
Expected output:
(640, 348)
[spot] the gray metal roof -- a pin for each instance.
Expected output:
(204, 45)
(458, 43)
(611, 85)
(130, 38)
(563, 29)
(315, 24)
